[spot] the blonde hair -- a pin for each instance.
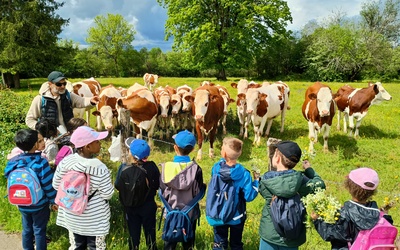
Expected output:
(232, 147)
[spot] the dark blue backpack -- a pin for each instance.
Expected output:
(288, 215)
(222, 200)
(178, 225)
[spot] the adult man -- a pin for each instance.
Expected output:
(54, 102)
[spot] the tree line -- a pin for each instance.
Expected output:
(210, 39)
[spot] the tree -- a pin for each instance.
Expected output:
(110, 36)
(222, 34)
(28, 37)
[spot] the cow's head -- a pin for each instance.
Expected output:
(241, 103)
(324, 100)
(380, 94)
(176, 103)
(202, 100)
(253, 98)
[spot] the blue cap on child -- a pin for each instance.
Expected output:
(139, 149)
(184, 139)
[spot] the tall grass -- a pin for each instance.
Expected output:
(378, 147)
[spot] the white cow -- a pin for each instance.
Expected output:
(241, 106)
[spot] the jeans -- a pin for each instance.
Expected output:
(235, 239)
(34, 225)
(269, 246)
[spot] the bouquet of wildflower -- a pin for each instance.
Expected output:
(306, 155)
(324, 205)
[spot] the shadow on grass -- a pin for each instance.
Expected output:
(373, 132)
(343, 142)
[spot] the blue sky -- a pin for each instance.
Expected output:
(148, 17)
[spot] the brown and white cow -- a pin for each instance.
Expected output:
(150, 80)
(241, 106)
(207, 108)
(143, 111)
(106, 111)
(135, 87)
(186, 117)
(354, 103)
(227, 99)
(86, 88)
(318, 109)
(163, 99)
(264, 104)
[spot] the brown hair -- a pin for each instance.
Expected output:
(232, 147)
(358, 192)
(74, 123)
(285, 161)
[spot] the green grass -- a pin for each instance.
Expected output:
(378, 147)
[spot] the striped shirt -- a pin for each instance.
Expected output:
(95, 220)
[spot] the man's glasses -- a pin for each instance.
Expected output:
(59, 84)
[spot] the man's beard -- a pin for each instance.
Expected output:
(55, 90)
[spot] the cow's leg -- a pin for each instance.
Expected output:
(246, 125)
(241, 118)
(358, 124)
(98, 121)
(326, 129)
(167, 125)
(224, 124)
(150, 131)
(283, 115)
(311, 136)
(88, 117)
(200, 137)
(351, 124)
(338, 120)
(211, 135)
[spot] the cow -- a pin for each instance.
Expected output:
(86, 88)
(227, 99)
(207, 108)
(241, 107)
(354, 103)
(264, 104)
(106, 110)
(163, 99)
(135, 87)
(143, 111)
(186, 116)
(318, 109)
(150, 80)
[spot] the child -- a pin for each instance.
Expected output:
(90, 228)
(359, 213)
(229, 168)
(63, 142)
(48, 129)
(40, 147)
(284, 182)
(145, 213)
(181, 181)
(34, 217)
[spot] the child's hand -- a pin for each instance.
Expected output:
(314, 215)
(54, 207)
(306, 164)
(256, 175)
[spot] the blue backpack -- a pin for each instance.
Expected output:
(288, 216)
(222, 200)
(23, 185)
(178, 225)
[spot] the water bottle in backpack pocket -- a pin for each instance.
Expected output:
(23, 186)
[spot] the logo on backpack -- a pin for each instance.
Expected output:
(288, 215)
(222, 200)
(23, 186)
(132, 184)
(178, 225)
(381, 236)
(73, 192)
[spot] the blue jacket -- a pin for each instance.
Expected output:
(45, 176)
(243, 184)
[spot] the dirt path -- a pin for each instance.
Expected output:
(10, 241)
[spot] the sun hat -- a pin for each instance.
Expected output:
(360, 176)
(85, 135)
(184, 139)
(138, 147)
(55, 76)
(289, 149)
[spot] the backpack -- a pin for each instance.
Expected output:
(23, 185)
(381, 236)
(178, 225)
(64, 151)
(288, 215)
(73, 192)
(222, 201)
(132, 184)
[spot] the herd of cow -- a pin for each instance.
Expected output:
(205, 108)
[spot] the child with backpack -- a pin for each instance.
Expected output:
(231, 186)
(182, 185)
(29, 187)
(83, 185)
(137, 184)
(282, 190)
(48, 128)
(358, 215)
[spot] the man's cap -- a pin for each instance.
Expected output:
(85, 135)
(138, 147)
(56, 76)
(289, 149)
(184, 139)
(360, 176)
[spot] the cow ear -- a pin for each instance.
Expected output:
(231, 100)
(96, 113)
(241, 96)
(189, 98)
(173, 102)
(312, 96)
(234, 85)
(263, 96)
(115, 113)
(214, 98)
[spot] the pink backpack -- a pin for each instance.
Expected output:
(73, 192)
(64, 151)
(380, 237)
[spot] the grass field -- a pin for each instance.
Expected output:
(378, 147)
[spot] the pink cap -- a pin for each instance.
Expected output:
(360, 176)
(85, 135)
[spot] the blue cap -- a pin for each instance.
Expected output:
(184, 139)
(139, 149)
